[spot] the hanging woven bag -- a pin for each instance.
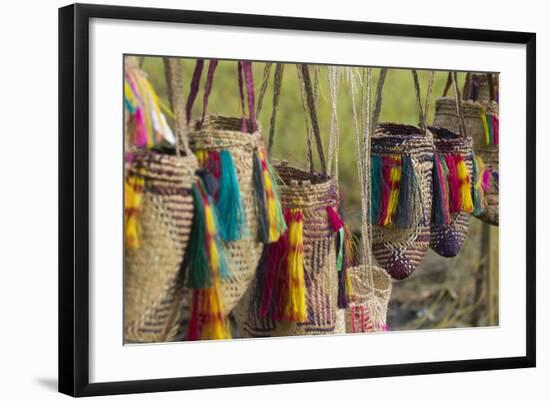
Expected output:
(158, 214)
(369, 286)
(457, 191)
(297, 284)
(239, 180)
(401, 194)
(482, 124)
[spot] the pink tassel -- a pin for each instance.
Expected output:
(454, 184)
(141, 131)
(494, 122)
(486, 182)
(335, 220)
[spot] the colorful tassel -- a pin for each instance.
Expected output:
(376, 180)
(441, 201)
(454, 184)
(495, 125)
(295, 308)
(271, 219)
(478, 193)
(409, 207)
(275, 281)
(146, 110)
(344, 253)
(465, 187)
(260, 196)
(206, 265)
(229, 203)
(133, 193)
(391, 170)
(485, 127)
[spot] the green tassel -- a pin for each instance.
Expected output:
(196, 259)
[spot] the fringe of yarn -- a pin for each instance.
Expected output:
(440, 209)
(260, 195)
(409, 207)
(295, 307)
(376, 181)
(133, 193)
(275, 283)
(272, 223)
(206, 266)
(229, 203)
(338, 226)
(490, 128)
(146, 110)
(389, 188)
(478, 192)
(454, 184)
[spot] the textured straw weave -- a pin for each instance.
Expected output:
(400, 250)
(358, 314)
(447, 239)
(224, 133)
(445, 117)
(152, 290)
(312, 193)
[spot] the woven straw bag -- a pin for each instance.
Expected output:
(478, 87)
(481, 123)
(401, 213)
(309, 194)
(159, 211)
(453, 200)
(241, 138)
(366, 312)
(369, 286)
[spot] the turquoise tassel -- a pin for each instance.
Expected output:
(229, 205)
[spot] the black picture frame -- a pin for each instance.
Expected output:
(74, 194)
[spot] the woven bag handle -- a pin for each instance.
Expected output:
(310, 100)
(378, 101)
(277, 83)
(263, 88)
(174, 79)
(243, 68)
(491, 83)
(452, 80)
(334, 79)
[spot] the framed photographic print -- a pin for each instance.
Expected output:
(250, 199)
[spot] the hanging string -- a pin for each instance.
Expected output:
(263, 88)
(334, 142)
(459, 111)
(309, 154)
(362, 145)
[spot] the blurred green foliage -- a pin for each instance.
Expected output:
(399, 105)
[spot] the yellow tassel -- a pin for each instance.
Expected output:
(465, 189)
(133, 190)
(295, 308)
(395, 177)
(202, 157)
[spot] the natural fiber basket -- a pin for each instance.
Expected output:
(400, 250)
(367, 309)
(224, 133)
(153, 293)
(445, 117)
(312, 193)
(447, 239)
